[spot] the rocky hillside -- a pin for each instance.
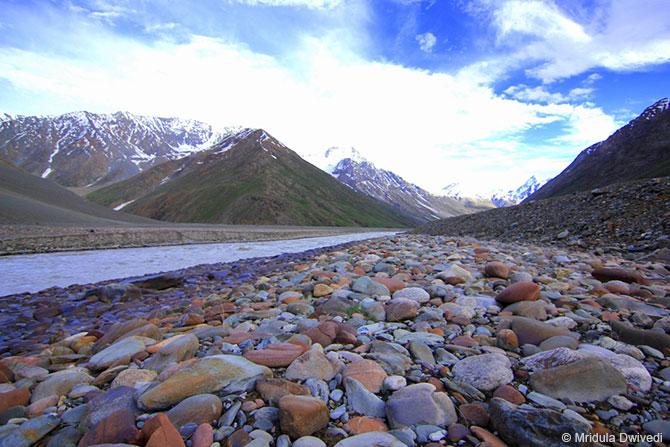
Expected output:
(639, 150)
(351, 168)
(248, 178)
(631, 216)
(403, 341)
(29, 200)
(82, 148)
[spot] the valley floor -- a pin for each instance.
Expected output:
(22, 239)
(397, 341)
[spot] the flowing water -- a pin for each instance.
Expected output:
(31, 273)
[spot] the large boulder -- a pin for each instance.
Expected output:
(533, 427)
(225, 373)
(586, 380)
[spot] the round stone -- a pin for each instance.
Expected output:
(485, 372)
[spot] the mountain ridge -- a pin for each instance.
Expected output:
(247, 178)
(83, 149)
(496, 197)
(348, 166)
(638, 150)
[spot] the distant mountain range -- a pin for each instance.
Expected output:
(349, 167)
(639, 150)
(497, 197)
(186, 171)
(87, 149)
(247, 178)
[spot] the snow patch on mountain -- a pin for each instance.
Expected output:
(83, 148)
(331, 157)
(348, 166)
(497, 197)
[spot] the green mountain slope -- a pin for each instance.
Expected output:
(253, 179)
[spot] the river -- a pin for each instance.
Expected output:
(32, 273)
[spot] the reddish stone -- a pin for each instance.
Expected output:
(19, 396)
(238, 337)
(437, 331)
(6, 374)
(392, 284)
(321, 290)
(507, 339)
(239, 438)
(619, 287)
(610, 316)
(400, 309)
(496, 269)
(486, 436)
(520, 291)
(510, 394)
(117, 428)
(203, 436)
(151, 425)
(166, 435)
(454, 280)
(346, 334)
(37, 408)
(276, 354)
(368, 373)
(465, 340)
(610, 274)
(302, 415)
(324, 333)
(475, 414)
(437, 383)
(273, 389)
(262, 306)
(364, 424)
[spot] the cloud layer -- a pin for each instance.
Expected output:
(433, 127)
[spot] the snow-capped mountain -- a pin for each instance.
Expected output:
(247, 178)
(638, 150)
(497, 197)
(83, 148)
(351, 168)
(518, 195)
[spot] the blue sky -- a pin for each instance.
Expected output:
(483, 93)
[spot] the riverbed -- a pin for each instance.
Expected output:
(32, 273)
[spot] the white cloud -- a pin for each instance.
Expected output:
(541, 94)
(616, 36)
(314, 4)
(538, 18)
(426, 41)
(592, 78)
(433, 128)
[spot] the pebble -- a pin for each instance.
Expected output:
(373, 343)
(302, 415)
(420, 404)
(413, 293)
(519, 291)
(368, 373)
(308, 441)
(485, 372)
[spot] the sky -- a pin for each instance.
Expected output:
(483, 93)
